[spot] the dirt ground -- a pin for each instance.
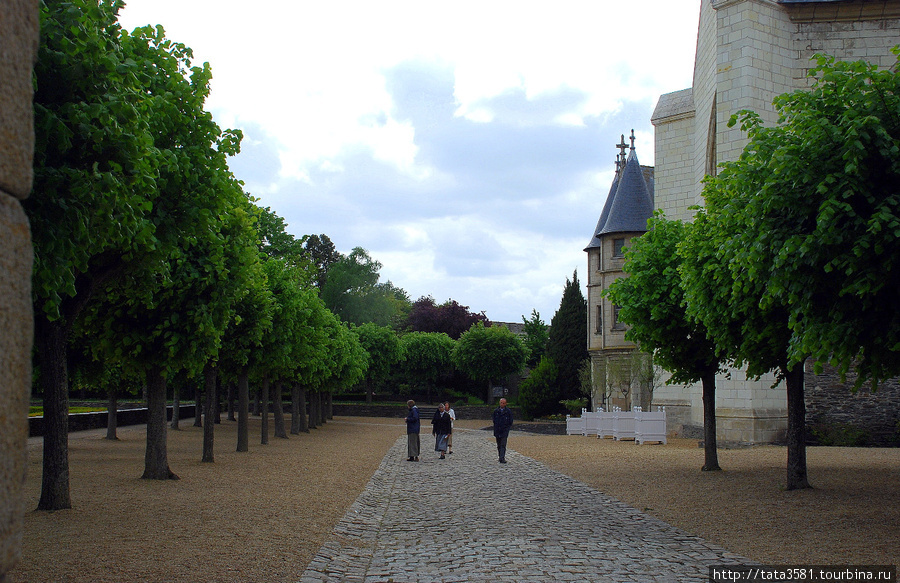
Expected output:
(261, 516)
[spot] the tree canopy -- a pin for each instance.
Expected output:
(567, 343)
(450, 317)
(490, 353)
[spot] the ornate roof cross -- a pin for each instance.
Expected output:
(632, 139)
(622, 145)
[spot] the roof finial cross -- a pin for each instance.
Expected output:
(632, 139)
(622, 145)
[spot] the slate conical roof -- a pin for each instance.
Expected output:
(633, 203)
(595, 241)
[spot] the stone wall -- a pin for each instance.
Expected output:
(872, 417)
(18, 50)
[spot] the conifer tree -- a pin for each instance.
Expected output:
(568, 338)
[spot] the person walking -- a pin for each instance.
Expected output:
(413, 425)
(441, 430)
(452, 414)
(503, 420)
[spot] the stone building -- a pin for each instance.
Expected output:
(748, 52)
(615, 364)
(18, 50)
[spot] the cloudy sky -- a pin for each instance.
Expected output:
(468, 146)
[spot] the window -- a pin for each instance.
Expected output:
(618, 247)
(599, 328)
(617, 325)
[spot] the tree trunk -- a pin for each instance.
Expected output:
(295, 409)
(368, 390)
(176, 406)
(329, 409)
(490, 393)
(156, 461)
(230, 401)
(796, 432)
(303, 420)
(313, 412)
(243, 390)
(50, 338)
(264, 410)
(710, 448)
(256, 402)
(320, 404)
(217, 403)
(278, 405)
(112, 415)
(212, 398)
(198, 405)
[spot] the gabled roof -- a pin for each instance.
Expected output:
(632, 204)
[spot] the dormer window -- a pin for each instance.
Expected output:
(618, 247)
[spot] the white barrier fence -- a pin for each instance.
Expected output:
(636, 424)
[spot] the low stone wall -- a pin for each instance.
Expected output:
(124, 417)
(398, 411)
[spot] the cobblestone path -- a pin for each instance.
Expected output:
(470, 518)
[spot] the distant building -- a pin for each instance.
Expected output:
(624, 217)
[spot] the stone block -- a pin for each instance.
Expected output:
(18, 49)
(16, 321)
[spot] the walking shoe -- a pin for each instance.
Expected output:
(502, 461)
(409, 459)
(443, 457)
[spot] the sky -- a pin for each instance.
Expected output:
(467, 146)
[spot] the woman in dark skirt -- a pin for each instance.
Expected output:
(441, 430)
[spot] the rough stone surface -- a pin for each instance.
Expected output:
(18, 49)
(470, 518)
(15, 372)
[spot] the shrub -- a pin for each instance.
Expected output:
(538, 394)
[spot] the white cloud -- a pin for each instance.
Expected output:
(468, 146)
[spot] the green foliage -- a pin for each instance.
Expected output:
(427, 356)
(486, 354)
(383, 349)
(538, 395)
(567, 344)
(352, 291)
(537, 337)
(95, 164)
(574, 406)
(825, 206)
(651, 301)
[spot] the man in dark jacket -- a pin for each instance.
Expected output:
(412, 431)
(503, 420)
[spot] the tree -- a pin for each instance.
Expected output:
(451, 318)
(538, 394)
(94, 187)
(724, 290)
(651, 301)
(536, 338)
(352, 291)
(383, 349)
(567, 343)
(486, 354)
(427, 356)
(320, 250)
